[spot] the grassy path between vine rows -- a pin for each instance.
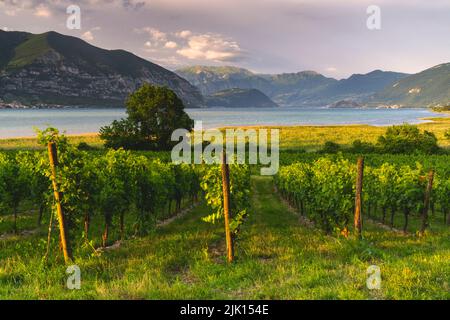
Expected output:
(277, 258)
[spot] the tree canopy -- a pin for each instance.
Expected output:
(408, 139)
(153, 114)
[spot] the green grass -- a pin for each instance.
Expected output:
(28, 51)
(30, 143)
(314, 137)
(309, 138)
(277, 258)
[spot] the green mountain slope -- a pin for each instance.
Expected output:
(371, 82)
(30, 49)
(240, 98)
(429, 87)
(52, 68)
(8, 42)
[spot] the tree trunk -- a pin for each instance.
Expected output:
(405, 226)
(393, 209)
(15, 220)
(41, 213)
(122, 225)
(105, 233)
(226, 207)
(358, 198)
(426, 205)
(63, 230)
(87, 222)
(49, 235)
(383, 219)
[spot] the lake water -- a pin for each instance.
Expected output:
(20, 123)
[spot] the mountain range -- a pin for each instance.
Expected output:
(291, 89)
(54, 69)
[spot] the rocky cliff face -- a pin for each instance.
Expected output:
(53, 69)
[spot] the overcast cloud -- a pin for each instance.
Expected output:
(265, 36)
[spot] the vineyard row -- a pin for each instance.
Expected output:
(324, 190)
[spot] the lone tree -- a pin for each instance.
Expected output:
(408, 139)
(153, 114)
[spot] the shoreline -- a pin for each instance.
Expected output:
(424, 121)
(435, 118)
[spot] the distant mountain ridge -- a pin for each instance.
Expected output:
(240, 98)
(363, 84)
(210, 80)
(291, 89)
(430, 87)
(52, 69)
(295, 89)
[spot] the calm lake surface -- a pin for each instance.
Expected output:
(20, 123)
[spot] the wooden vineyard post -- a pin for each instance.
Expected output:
(358, 198)
(226, 206)
(53, 156)
(426, 205)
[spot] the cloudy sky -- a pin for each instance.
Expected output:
(267, 36)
